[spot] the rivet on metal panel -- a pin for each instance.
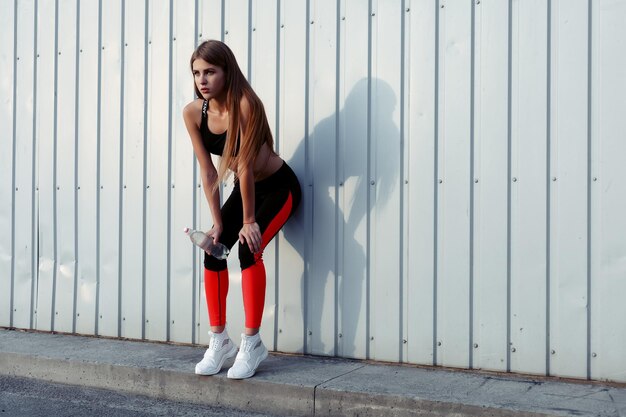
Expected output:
(101, 187)
(172, 321)
(225, 32)
(476, 180)
(56, 313)
(341, 184)
(312, 21)
(100, 316)
(254, 29)
(594, 354)
(59, 52)
(103, 48)
(595, 178)
(173, 39)
(15, 309)
(372, 338)
(512, 349)
(404, 341)
(373, 182)
(440, 181)
(280, 330)
(124, 186)
(16, 188)
(553, 351)
(553, 178)
(123, 318)
(173, 186)
(343, 18)
(310, 333)
(373, 13)
(514, 179)
(77, 314)
(478, 2)
(282, 26)
(78, 188)
(58, 188)
(475, 345)
(147, 321)
(38, 54)
(199, 35)
(149, 42)
(408, 9)
(438, 343)
(340, 335)
(406, 181)
(147, 186)
(442, 6)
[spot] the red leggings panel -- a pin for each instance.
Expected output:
(254, 277)
(215, 290)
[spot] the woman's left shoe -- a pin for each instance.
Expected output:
(251, 353)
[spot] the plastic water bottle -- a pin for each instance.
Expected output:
(203, 241)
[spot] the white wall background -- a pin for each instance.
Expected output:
(462, 164)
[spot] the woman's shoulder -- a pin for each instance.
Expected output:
(192, 113)
(194, 107)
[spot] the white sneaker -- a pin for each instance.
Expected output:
(251, 353)
(221, 347)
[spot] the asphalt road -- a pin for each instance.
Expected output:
(20, 397)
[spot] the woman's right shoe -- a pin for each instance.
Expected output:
(221, 347)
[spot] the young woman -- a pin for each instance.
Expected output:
(228, 119)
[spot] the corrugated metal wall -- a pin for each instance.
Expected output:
(462, 165)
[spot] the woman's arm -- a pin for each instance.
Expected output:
(208, 173)
(250, 232)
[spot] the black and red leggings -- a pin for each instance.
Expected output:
(276, 198)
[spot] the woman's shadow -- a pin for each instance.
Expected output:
(341, 182)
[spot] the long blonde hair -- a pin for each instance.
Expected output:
(257, 130)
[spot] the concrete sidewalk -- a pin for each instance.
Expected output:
(298, 385)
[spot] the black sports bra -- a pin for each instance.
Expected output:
(214, 143)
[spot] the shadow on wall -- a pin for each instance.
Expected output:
(334, 214)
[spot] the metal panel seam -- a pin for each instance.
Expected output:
(436, 187)
(471, 183)
(589, 162)
(55, 112)
(508, 186)
(34, 219)
(121, 169)
(76, 145)
(547, 177)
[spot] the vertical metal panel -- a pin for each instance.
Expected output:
(7, 87)
(323, 145)
(65, 166)
(133, 168)
(386, 233)
(263, 76)
(87, 168)
(568, 191)
(420, 139)
(353, 211)
(490, 184)
(110, 167)
(155, 325)
(528, 187)
(209, 27)
(291, 91)
(453, 289)
(45, 125)
(181, 290)
(608, 246)
(236, 28)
